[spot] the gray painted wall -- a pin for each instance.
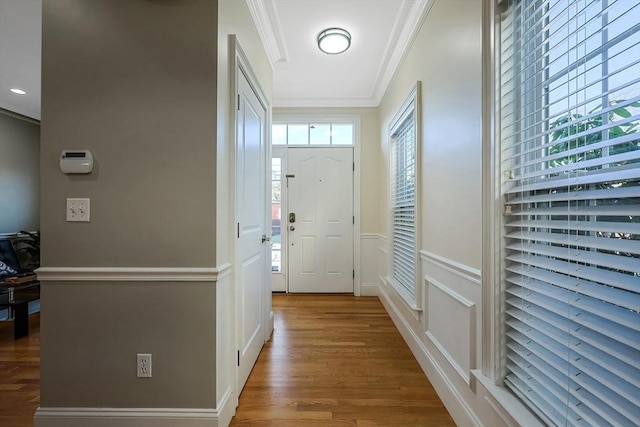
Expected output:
(91, 334)
(134, 82)
(19, 175)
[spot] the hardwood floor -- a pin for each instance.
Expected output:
(333, 360)
(337, 360)
(19, 374)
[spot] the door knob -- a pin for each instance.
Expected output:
(291, 228)
(265, 238)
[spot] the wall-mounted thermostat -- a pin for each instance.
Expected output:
(76, 161)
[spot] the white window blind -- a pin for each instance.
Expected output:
(403, 205)
(570, 166)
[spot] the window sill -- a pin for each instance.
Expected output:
(404, 297)
(506, 405)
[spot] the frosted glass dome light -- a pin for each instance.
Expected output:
(334, 40)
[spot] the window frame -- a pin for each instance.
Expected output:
(410, 108)
(492, 374)
(308, 121)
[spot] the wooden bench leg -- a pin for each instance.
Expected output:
(20, 319)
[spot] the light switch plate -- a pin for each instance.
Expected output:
(78, 210)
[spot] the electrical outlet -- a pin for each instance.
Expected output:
(144, 366)
(78, 210)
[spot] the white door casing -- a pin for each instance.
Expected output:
(320, 245)
(251, 206)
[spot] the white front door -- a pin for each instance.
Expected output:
(251, 214)
(320, 237)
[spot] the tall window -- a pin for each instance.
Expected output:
(570, 144)
(403, 158)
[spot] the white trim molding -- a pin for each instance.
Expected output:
(126, 417)
(407, 23)
(370, 267)
(383, 259)
(375, 236)
(468, 273)
(509, 408)
(226, 408)
(135, 417)
(267, 21)
(133, 274)
(369, 289)
(318, 102)
(470, 307)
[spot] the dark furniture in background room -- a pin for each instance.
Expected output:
(19, 257)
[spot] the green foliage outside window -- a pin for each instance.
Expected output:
(577, 124)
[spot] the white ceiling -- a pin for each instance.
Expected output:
(381, 31)
(20, 46)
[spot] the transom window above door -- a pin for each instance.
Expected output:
(316, 134)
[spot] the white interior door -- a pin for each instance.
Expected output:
(320, 239)
(251, 214)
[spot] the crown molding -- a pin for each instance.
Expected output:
(267, 21)
(410, 17)
(324, 102)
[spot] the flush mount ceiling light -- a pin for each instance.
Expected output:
(18, 91)
(334, 40)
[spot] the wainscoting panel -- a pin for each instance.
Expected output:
(371, 263)
(444, 336)
(452, 322)
(383, 258)
(452, 325)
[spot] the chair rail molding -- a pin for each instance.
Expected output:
(133, 274)
(469, 273)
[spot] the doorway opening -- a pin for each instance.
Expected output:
(315, 205)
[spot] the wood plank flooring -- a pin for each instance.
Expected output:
(333, 360)
(19, 374)
(337, 360)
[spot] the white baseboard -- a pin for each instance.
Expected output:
(136, 417)
(369, 289)
(226, 408)
(271, 324)
(461, 412)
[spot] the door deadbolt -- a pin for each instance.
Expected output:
(292, 217)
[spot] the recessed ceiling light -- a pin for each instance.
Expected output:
(18, 91)
(334, 40)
